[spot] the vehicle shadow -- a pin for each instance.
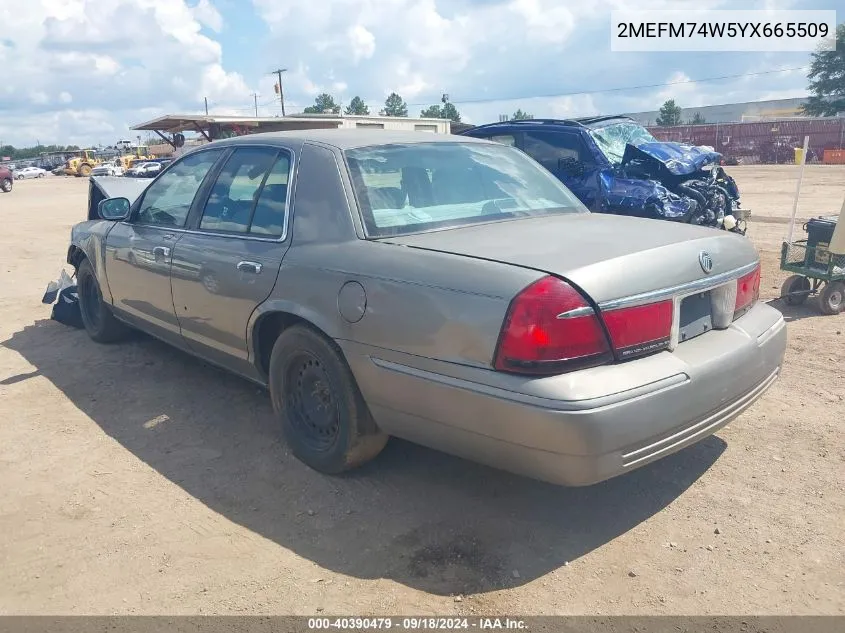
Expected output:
(419, 517)
(808, 310)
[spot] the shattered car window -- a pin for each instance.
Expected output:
(612, 139)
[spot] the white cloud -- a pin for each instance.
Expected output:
(473, 50)
(110, 59)
(207, 15)
(82, 71)
(362, 41)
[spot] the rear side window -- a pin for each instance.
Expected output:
(232, 199)
(271, 207)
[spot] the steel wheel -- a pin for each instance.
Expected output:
(323, 416)
(309, 402)
(832, 298)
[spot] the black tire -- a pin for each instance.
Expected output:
(6, 185)
(832, 298)
(795, 290)
(97, 317)
(324, 418)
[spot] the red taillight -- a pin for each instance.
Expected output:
(747, 292)
(550, 327)
(641, 329)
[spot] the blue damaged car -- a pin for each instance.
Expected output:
(614, 165)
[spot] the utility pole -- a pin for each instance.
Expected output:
(206, 105)
(255, 96)
(281, 90)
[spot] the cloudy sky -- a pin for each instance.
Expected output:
(83, 71)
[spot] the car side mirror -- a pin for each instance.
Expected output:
(113, 209)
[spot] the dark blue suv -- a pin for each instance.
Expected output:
(614, 165)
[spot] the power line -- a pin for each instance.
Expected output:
(571, 93)
(605, 90)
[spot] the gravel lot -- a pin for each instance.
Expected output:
(138, 480)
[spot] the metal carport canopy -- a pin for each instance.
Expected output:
(173, 123)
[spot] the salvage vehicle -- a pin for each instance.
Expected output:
(614, 165)
(6, 179)
(108, 169)
(30, 172)
(144, 169)
(445, 290)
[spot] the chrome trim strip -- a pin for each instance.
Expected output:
(576, 312)
(691, 287)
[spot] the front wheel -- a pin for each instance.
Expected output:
(323, 415)
(832, 298)
(85, 170)
(97, 317)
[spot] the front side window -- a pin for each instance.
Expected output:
(406, 188)
(168, 200)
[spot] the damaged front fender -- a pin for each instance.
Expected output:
(643, 198)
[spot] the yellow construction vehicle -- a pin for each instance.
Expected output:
(82, 162)
(129, 153)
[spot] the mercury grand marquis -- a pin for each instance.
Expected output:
(442, 289)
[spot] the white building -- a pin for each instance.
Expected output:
(211, 127)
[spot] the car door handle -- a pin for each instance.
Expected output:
(161, 250)
(250, 267)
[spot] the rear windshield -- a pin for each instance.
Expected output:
(407, 188)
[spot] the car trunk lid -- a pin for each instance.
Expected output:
(633, 270)
(609, 257)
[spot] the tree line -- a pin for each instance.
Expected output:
(394, 105)
(24, 153)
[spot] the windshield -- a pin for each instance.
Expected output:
(406, 188)
(613, 138)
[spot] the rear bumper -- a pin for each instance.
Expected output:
(681, 398)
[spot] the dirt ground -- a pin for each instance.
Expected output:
(137, 480)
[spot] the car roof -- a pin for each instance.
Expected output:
(580, 122)
(348, 138)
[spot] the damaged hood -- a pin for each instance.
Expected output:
(679, 159)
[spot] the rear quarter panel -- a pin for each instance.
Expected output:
(419, 303)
